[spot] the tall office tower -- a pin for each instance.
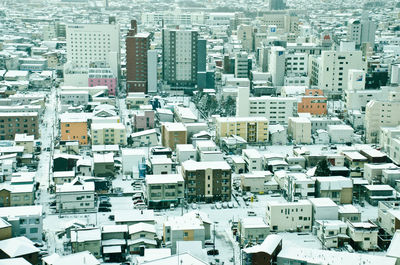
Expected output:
(180, 57)
(368, 30)
(245, 35)
(94, 43)
(277, 65)
(137, 45)
(361, 31)
(241, 65)
(330, 70)
(152, 63)
(277, 4)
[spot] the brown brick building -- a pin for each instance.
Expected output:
(207, 181)
(137, 45)
(173, 133)
(12, 123)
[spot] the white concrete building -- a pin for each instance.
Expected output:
(330, 70)
(289, 216)
(77, 196)
(253, 229)
(253, 160)
(363, 234)
(340, 134)
(185, 152)
(324, 209)
(380, 114)
(89, 43)
(25, 220)
(277, 65)
(276, 109)
(241, 65)
(299, 129)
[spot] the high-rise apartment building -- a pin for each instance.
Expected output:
(137, 46)
(180, 57)
(207, 181)
(277, 4)
(12, 123)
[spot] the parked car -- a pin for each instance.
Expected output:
(104, 204)
(230, 204)
(224, 205)
(213, 252)
(218, 205)
(194, 206)
(104, 209)
(208, 243)
(104, 199)
(251, 213)
(111, 217)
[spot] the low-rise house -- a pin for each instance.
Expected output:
(144, 138)
(391, 176)
(109, 232)
(393, 250)
(233, 144)
(324, 209)
(265, 253)
(103, 165)
(185, 152)
(389, 216)
(295, 185)
(376, 193)
(355, 162)
(374, 172)
(183, 258)
(289, 216)
(238, 164)
(277, 134)
(252, 230)
(161, 165)
(184, 115)
(5, 229)
(143, 120)
(134, 216)
(340, 134)
(22, 195)
(297, 255)
(339, 189)
(193, 226)
(131, 160)
(19, 247)
(136, 99)
(86, 239)
(25, 221)
(332, 233)
(349, 212)
(77, 196)
(255, 182)
(26, 141)
(363, 235)
(164, 190)
(253, 159)
(374, 156)
(141, 234)
(84, 257)
(61, 177)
